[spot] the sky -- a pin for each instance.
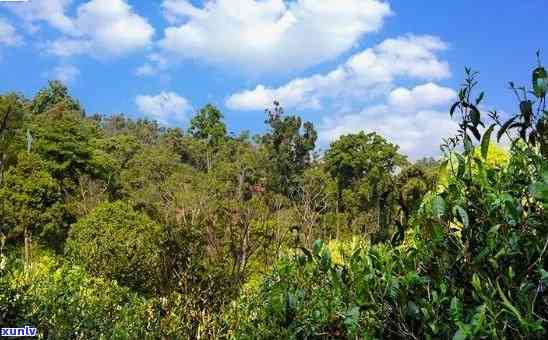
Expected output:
(392, 67)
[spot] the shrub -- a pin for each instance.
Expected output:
(119, 243)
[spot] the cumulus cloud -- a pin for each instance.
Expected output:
(268, 35)
(416, 123)
(104, 28)
(8, 35)
(166, 107)
(365, 75)
(50, 11)
(420, 97)
(64, 73)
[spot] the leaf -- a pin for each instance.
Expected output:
(306, 252)
(508, 305)
(480, 98)
(456, 309)
(453, 108)
(526, 108)
(326, 258)
(413, 310)
(463, 215)
(475, 115)
(504, 127)
(443, 165)
(475, 132)
(486, 140)
(539, 190)
(460, 335)
(317, 247)
(461, 166)
(352, 317)
(438, 206)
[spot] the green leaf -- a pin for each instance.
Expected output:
(461, 166)
(475, 116)
(513, 310)
(463, 216)
(486, 139)
(438, 206)
(453, 108)
(475, 132)
(317, 247)
(504, 127)
(413, 310)
(480, 98)
(326, 257)
(540, 82)
(460, 335)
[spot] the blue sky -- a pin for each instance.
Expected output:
(346, 65)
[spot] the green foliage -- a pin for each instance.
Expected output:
(119, 243)
(472, 266)
(361, 155)
(54, 97)
(66, 144)
(32, 200)
(66, 302)
(289, 151)
(208, 125)
(11, 121)
(209, 235)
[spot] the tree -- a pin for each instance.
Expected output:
(32, 203)
(67, 144)
(208, 126)
(120, 243)
(11, 121)
(289, 151)
(146, 172)
(363, 166)
(54, 95)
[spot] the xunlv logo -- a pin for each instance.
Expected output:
(22, 331)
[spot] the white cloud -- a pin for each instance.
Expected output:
(8, 35)
(50, 11)
(268, 35)
(166, 107)
(417, 124)
(103, 28)
(420, 97)
(64, 73)
(365, 75)
(155, 64)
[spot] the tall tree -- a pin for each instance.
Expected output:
(11, 120)
(365, 162)
(208, 124)
(54, 95)
(289, 145)
(209, 127)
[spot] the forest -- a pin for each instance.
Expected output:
(119, 228)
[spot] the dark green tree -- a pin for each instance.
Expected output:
(31, 203)
(11, 122)
(289, 145)
(54, 95)
(363, 166)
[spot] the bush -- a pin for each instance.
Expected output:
(473, 265)
(119, 243)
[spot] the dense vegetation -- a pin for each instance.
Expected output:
(121, 228)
